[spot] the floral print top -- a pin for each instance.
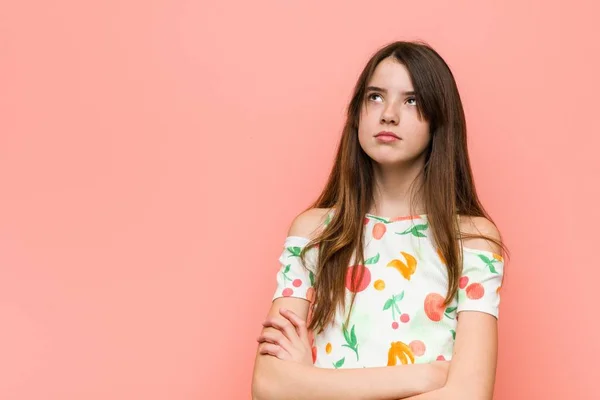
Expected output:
(398, 316)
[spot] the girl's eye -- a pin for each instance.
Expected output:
(374, 97)
(412, 101)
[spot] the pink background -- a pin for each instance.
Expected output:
(153, 153)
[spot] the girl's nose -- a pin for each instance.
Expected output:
(390, 116)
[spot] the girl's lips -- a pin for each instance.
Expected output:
(387, 137)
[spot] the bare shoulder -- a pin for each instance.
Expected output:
(480, 226)
(308, 223)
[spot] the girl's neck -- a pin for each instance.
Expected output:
(395, 189)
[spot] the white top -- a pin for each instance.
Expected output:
(398, 316)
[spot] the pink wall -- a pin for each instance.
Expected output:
(153, 153)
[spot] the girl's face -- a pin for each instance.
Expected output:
(390, 130)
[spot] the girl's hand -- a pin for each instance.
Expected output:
(288, 340)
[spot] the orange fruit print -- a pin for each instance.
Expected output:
(434, 307)
(310, 294)
(406, 270)
(379, 284)
(441, 256)
(378, 230)
(417, 347)
(475, 291)
(400, 351)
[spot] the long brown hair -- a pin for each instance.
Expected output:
(448, 189)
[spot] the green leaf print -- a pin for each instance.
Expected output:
(372, 260)
(295, 251)
(339, 363)
(385, 221)
(449, 311)
(353, 348)
(453, 334)
(388, 304)
(346, 335)
(285, 271)
(484, 258)
(327, 220)
(350, 336)
(353, 335)
(351, 341)
(392, 303)
(415, 230)
(311, 276)
(489, 263)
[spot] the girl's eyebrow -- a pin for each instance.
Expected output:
(378, 89)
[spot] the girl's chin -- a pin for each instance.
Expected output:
(388, 157)
(394, 162)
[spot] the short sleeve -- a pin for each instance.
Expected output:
(295, 278)
(480, 283)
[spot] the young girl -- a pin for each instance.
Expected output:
(396, 269)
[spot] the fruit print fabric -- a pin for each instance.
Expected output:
(293, 278)
(398, 316)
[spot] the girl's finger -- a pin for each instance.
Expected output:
(285, 326)
(298, 322)
(276, 337)
(274, 350)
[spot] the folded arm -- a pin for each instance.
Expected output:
(275, 379)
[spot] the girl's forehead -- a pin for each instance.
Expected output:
(391, 75)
